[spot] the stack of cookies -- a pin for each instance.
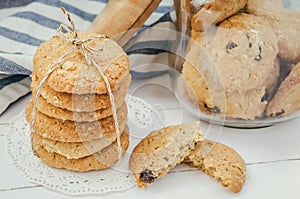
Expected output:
(74, 127)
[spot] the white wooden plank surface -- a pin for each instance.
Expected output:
(267, 181)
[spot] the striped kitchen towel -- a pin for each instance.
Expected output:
(24, 24)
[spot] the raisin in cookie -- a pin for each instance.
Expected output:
(75, 75)
(287, 98)
(162, 150)
(285, 23)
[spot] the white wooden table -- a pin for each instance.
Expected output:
(272, 155)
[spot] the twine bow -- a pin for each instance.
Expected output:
(87, 51)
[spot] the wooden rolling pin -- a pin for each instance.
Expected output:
(120, 16)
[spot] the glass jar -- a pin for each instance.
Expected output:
(241, 63)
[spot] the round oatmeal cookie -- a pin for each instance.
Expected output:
(81, 103)
(77, 150)
(103, 159)
(69, 131)
(213, 12)
(244, 50)
(285, 23)
(286, 99)
(75, 75)
(52, 111)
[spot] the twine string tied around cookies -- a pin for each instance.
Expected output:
(71, 36)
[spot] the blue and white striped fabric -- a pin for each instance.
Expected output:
(24, 24)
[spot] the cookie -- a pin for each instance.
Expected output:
(77, 150)
(196, 87)
(285, 23)
(63, 114)
(213, 12)
(286, 99)
(162, 150)
(244, 50)
(103, 159)
(69, 131)
(74, 75)
(196, 70)
(81, 103)
(220, 162)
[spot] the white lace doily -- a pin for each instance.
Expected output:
(118, 178)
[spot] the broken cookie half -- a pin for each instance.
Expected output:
(219, 161)
(163, 149)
